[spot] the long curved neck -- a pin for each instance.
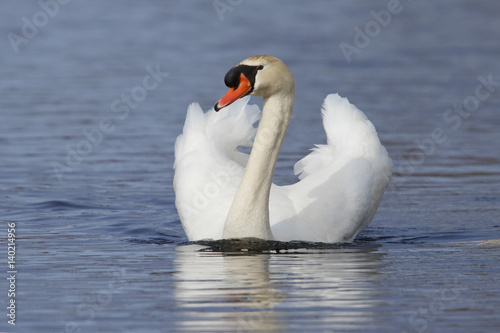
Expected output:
(249, 213)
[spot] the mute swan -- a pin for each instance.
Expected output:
(223, 193)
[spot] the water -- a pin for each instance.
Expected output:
(99, 243)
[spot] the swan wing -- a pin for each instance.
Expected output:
(341, 183)
(208, 166)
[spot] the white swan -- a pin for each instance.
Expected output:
(223, 193)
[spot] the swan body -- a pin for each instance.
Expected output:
(222, 192)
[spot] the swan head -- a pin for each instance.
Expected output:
(261, 75)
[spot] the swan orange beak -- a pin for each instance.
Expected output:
(233, 94)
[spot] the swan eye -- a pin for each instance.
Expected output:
(259, 67)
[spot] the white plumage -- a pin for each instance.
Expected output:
(340, 187)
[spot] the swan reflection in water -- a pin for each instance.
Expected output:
(246, 292)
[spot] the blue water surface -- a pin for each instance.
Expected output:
(94, 94)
